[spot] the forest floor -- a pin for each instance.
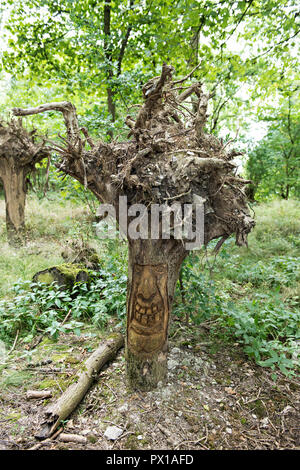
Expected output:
(216, 396)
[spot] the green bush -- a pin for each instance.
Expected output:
(268, 330)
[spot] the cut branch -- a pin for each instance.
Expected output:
(71, 398)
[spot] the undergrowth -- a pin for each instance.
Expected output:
(37, 307)
(252, 295)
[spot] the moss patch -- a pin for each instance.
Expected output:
(66, 275)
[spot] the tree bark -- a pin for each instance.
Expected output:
(65, 275)
(14, 183)
(153, 271)
(19, 152)
(108, 56)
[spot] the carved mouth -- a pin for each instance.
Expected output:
(147, 315)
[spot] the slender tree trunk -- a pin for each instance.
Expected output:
(111, 104)
(15, 195)
(108, 56)
(287, 191)
(153, 271)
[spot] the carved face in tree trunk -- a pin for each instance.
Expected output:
(148, 308)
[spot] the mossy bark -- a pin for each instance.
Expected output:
(153, 272)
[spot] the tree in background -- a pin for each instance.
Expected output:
(19, 153)
(274, 164)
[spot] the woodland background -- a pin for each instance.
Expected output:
(97, 54)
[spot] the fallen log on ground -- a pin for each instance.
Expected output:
(71, 398)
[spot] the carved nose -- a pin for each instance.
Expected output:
(147, 287)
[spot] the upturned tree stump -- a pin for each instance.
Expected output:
(168, 157)
(19, 152)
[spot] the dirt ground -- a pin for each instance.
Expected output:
(215, 398)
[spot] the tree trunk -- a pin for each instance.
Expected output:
(108, 56)
(141, 170)
(15, 195)
(65, 275)
(153, 271)
(111, 104)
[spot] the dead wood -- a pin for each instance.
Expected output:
(70, 399)
(72, 438)
(169, 153)
(170, 438)
(35, 394)
(65, 275)
(67, 109)
(19, 152)
(47, 441)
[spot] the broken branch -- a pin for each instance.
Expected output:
(70, 399)
(65, 107)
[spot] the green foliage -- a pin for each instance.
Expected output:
(200, 298)
(274, 164)
(91, 48)
(268, 330)
(88, 51)
(283, 271)
(266, 327)
(34, 308)
(252, 296)
(37, 307)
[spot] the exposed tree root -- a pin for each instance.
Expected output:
(169, 157)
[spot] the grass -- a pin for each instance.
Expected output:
(271, 261)
(49, 224)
